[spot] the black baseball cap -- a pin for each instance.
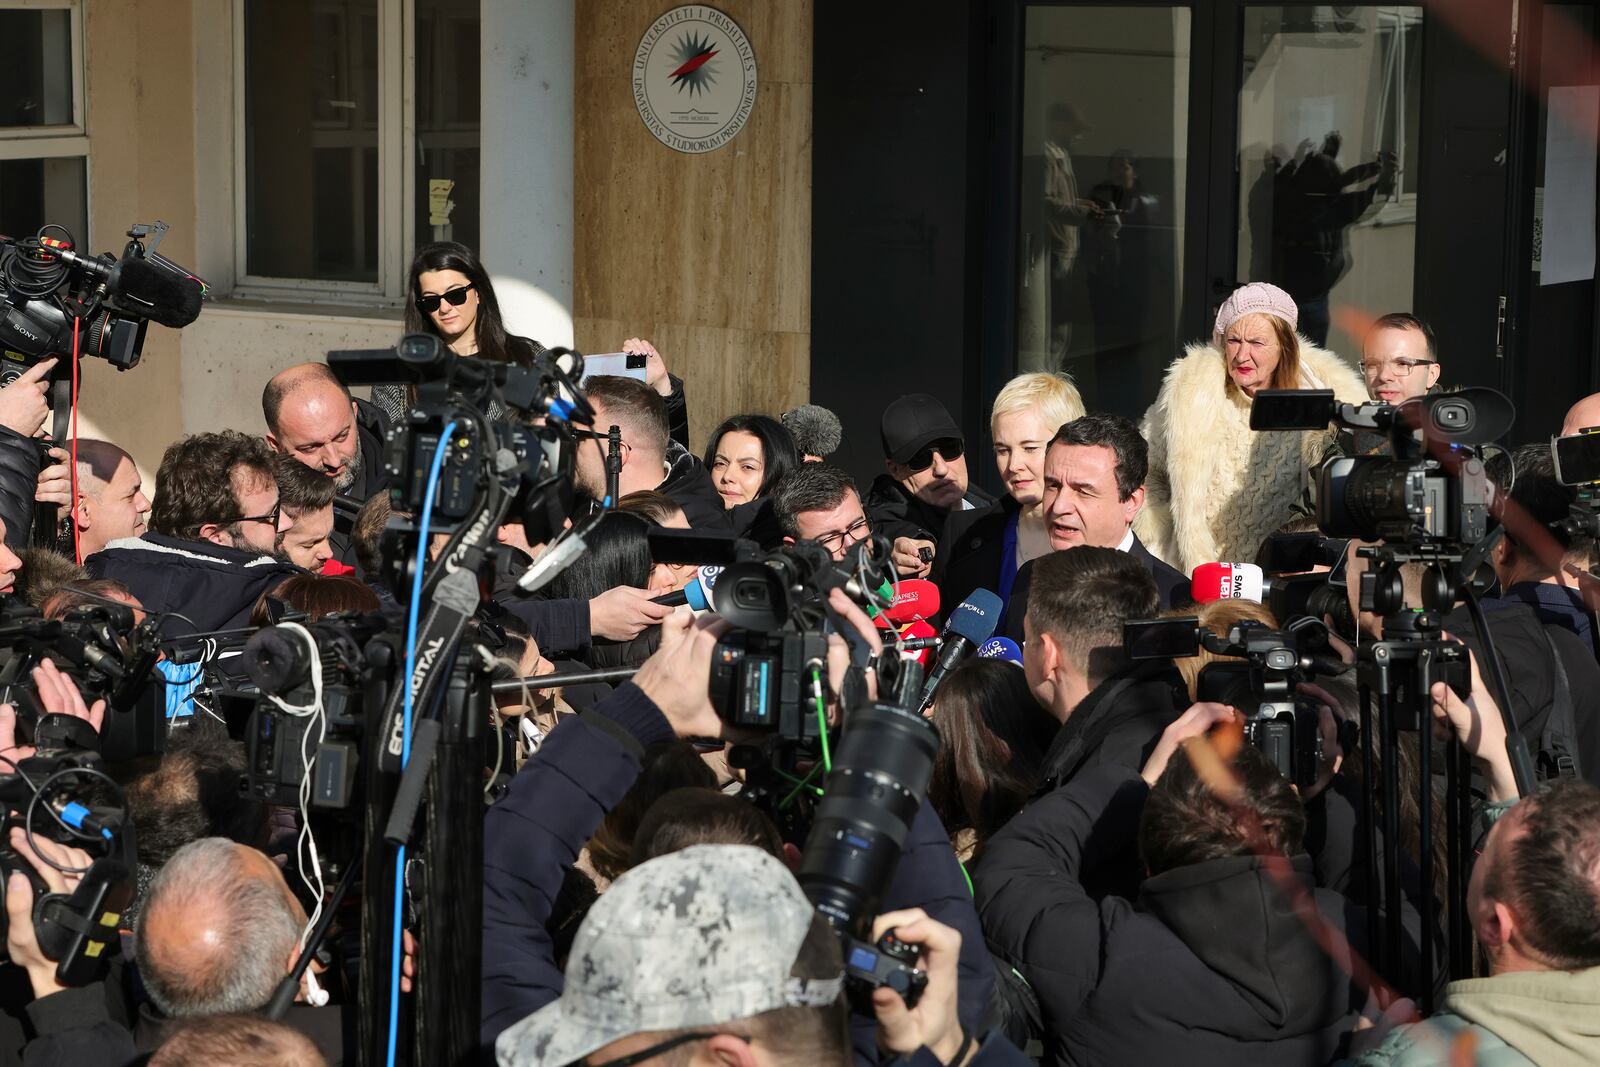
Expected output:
(914, 421)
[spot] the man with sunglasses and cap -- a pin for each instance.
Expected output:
(925, 454)
(210, 549)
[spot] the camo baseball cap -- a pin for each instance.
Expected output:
(700, 937)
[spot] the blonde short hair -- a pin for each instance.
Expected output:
(1054, 395)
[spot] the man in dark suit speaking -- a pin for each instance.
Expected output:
(1094, 475)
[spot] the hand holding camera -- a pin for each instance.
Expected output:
(931, 1020)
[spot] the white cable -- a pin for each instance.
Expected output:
(306, 843)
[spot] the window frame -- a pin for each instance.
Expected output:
(396, 179)
(70, 141)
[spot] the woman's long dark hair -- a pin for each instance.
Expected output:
(993, 739)
(778, 450)
(618, 553)
(493, 341)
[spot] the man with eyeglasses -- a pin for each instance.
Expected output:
(819, 502)
(210, 549)
(927, 480)
(1399, 358)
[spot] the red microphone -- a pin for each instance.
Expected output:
(922, 629)
(1227, 581)
(916, 598)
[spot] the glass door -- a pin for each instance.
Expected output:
(1328, 142)
(1101, 186)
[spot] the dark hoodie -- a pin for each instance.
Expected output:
(213, 587)
(1211, 965)
(19, 477)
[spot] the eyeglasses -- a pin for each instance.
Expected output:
(270, 517)
(1402, 367)
(950, 448)
(456, 297)
(653, 1051)
(849, 535)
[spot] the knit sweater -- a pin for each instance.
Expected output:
(1216, 489)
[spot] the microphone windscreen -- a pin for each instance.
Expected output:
(976, 617)
(147, 288)
(816, 430)
(1226, 581)
(1001, 648)
(917, 598)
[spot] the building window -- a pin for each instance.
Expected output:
(339, 180)
(43, 146)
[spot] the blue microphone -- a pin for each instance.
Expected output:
(697, 594)
(971, 624)
(1001, 648)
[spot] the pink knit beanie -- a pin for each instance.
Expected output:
(1257, 297)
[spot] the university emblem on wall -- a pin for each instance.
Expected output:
(694, 78)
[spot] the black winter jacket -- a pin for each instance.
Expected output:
(1209, 965)
(897, 513)
(1170, 583)
(689, 484)
(371, 423)
(553, 807)
(19, 478)
(212, 586)
(1118, 723)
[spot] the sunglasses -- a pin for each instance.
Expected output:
(455, 297)
(950, 448)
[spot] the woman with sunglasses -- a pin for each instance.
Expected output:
(451, 297)
(984, 549)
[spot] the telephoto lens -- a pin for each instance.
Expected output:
(879, 779)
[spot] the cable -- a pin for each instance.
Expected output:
(413, 610)
(822, 719)
(306, 842)
(72, 511)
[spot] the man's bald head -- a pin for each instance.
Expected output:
(218, 931)
(97, 463)
(111, 500)
(311, 417)
(1583, 414)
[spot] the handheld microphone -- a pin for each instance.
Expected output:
(971, 624)
(697, 594)
(1001, 648)
(917, 641)
(916, 598)
(1228, 581)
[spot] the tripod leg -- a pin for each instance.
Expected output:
(1425, 818)
(1394, 933)
(1369, 827)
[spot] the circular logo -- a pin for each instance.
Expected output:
(694, 78)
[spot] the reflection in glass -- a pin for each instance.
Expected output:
(1329, 132)
(35, 67)
(311, 139)
(1104, 135)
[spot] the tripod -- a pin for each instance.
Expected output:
(1397, 675)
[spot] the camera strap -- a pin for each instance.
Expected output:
(1556, 756)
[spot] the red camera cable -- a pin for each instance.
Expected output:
(72, 513)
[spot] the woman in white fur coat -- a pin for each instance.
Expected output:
(1216, 488)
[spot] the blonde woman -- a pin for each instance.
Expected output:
(984, 549)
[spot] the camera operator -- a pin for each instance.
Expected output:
(306, 498)
(1538, 499)
(1111, 711)
(716, 948)
(583, 770)
(1534, 902)
(211, 547)
(1214, 964)
(24, 411)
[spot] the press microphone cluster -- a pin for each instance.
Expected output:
(971, 624)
